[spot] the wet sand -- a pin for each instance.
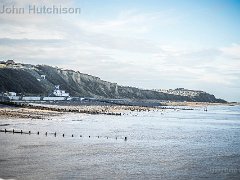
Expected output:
(13, 112)
(45, 111)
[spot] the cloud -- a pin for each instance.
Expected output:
(232, 51)
(130, 23)
(10, 41)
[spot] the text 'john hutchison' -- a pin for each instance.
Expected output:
(33, 9)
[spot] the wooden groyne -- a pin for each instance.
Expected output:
(55, 134)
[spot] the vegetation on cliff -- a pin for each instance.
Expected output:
(28, 79)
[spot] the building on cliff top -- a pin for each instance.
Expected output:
(10, 61)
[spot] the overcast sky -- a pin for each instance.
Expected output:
(149, 44)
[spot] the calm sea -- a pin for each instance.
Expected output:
(170, 144)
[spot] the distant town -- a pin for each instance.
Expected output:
(12, 64)
(181, 91)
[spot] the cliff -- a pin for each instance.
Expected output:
(41, 79)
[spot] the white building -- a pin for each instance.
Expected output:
(54, 98)
(31, 98)
(60, 93)
(12, 94)
(43, 76)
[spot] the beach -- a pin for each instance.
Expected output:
(45, 110)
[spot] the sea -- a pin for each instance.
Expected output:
(162, 144)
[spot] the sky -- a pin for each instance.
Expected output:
(150, 44)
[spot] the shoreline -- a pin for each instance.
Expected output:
(199, 104)
(46, 111)
(26, 113)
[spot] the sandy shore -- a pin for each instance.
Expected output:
(16, 112)
(196, 104)
(93, 109)
(46, 111)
